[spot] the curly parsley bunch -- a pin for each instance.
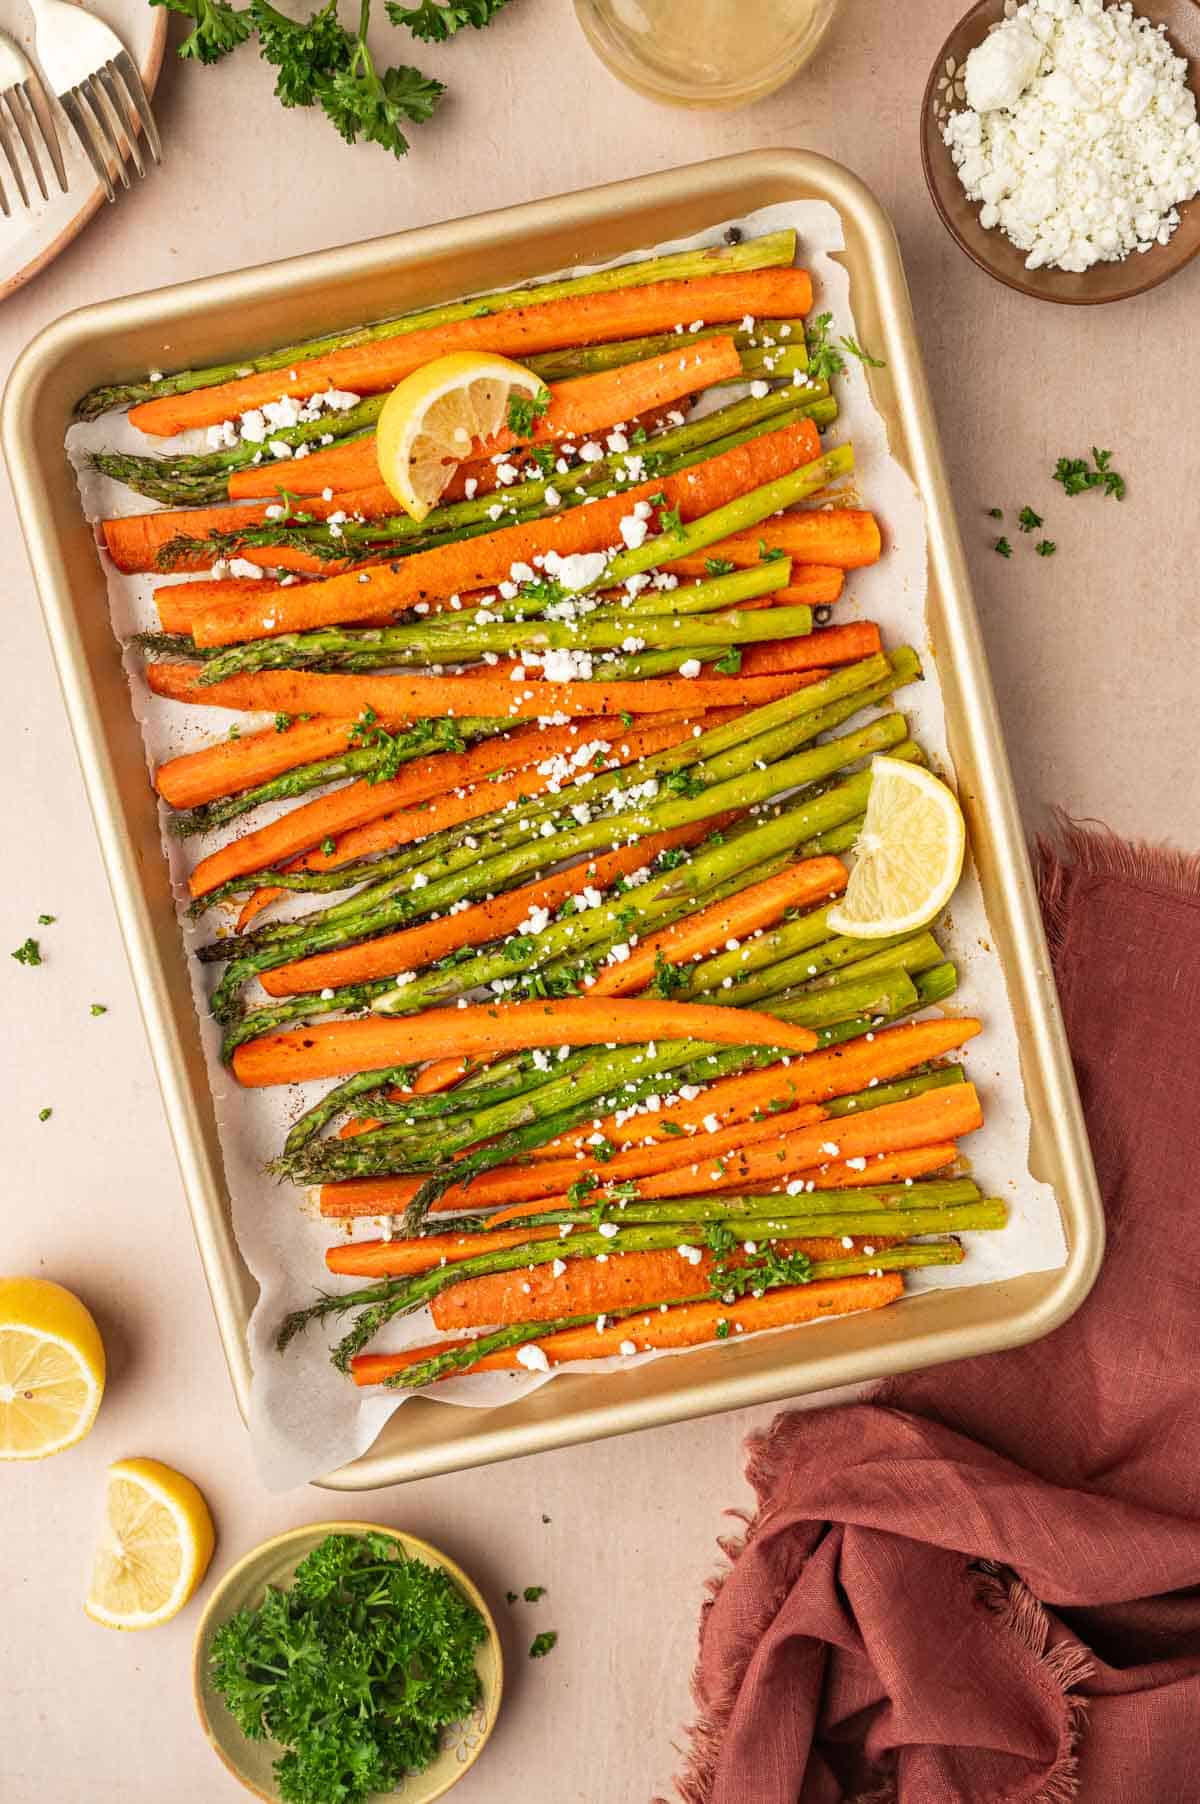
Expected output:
(355, 1668)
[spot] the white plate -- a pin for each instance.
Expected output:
(33, 237)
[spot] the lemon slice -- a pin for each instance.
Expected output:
(428, 423)
(51, 1368)
(908, 857)
(154, 1548)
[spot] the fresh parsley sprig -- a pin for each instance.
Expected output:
(433, 22)
(321, 63)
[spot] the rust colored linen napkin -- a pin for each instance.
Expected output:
(983, 1586)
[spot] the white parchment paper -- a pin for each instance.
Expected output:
(307, 1419)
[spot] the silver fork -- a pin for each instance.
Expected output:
(99, 89)
(23, 105)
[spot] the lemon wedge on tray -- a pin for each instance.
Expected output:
(154, 1549)
(908, 857)
(51, 1369)
(430, 421)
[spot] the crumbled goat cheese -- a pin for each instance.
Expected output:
(690, 667)
(532, 1358)
(1083, 153)
(628, 1348)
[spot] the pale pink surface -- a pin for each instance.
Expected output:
(1090, 653)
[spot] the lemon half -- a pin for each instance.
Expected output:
(908, 857)
(154, 1549)
(51, 1368)
(431, 420)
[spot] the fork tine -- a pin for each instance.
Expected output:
(44, 119)
(113, 94)
(4, 206)
(18, 107)
(127, 69)
(11, 159)
(109, 129)
(69, 101)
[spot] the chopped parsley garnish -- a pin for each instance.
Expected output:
(764, 1271)
(1076, 475)
(282, 722)
(45, 1114)
(670, 1127)
(995, 513)
(669, 520)
(626, 718)
(825, 361)
(718, 566)
(235, 732)
(98, 1008)
(668, 978)
(770, 554)
(355, 1668)
(542, 1644)
(28, 953)
(684, 783)
(532, 1593)
(47, 920)
(1045, 548)
(329, 845)
(510, 1597)
(1028, 521)
(524, 410)
(638, 436)
(731, 663)
(581, 1188)
(722, 1329)
(1003, 547)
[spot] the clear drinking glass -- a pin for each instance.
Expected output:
(705, 52)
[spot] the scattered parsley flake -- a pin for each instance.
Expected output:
(542, 1644)
(28, 953)
(532, 1593)
(1045, 548)
(45, 1114)
(995, 513)
(718, 566)
(282, 722)
(1003, 547)
(99, 1008)
(1076, 476)
(47, 920)
(524, 410)
(1028, 521)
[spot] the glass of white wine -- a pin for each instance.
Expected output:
(705, 52)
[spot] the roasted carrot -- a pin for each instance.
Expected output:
(758, 905)
(177, 602)
(362, 801)
(544, 326)
(443, 1074)
(339, 1048)
(395, 697)
(687, 1325)
(230, 765)
(581, 405)
(382, 590)
(838, 1071)
(937, 1115)
(133, 541)
(407, 1258)
(812, 585)
(593, 1286)
(846, 536)
(402, 1258)
(827, 646)
(388, 1196)
(416, 946)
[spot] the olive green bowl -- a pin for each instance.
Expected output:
(274, 1563)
